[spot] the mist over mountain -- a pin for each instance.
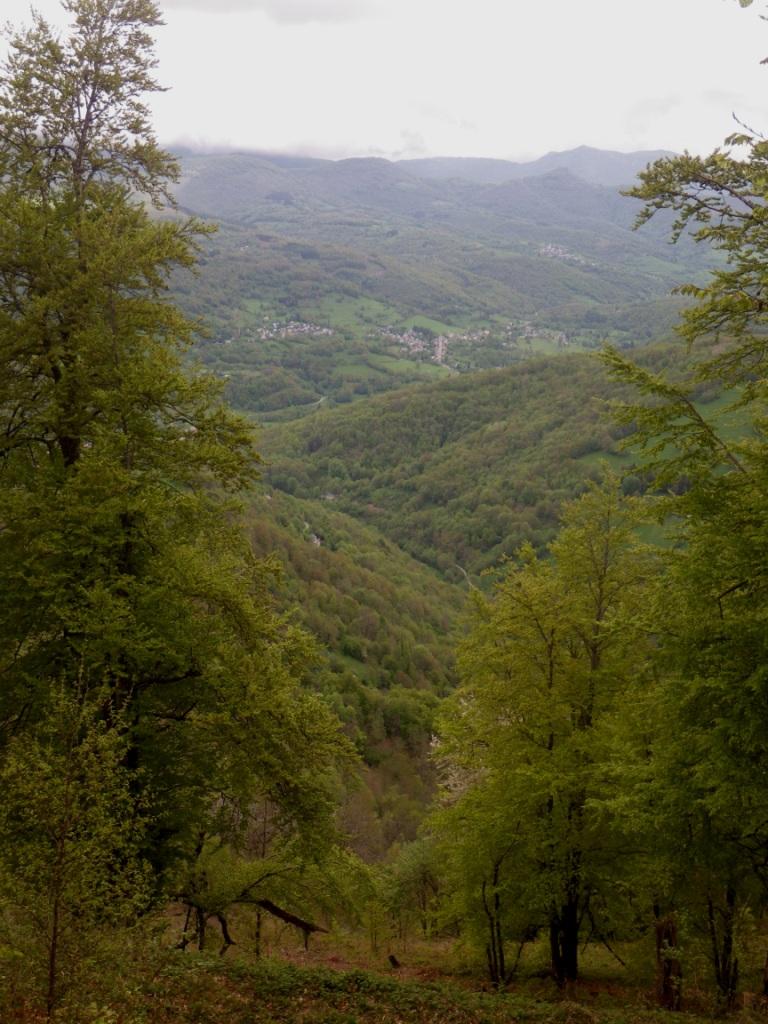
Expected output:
(597, 166)
(247, 185)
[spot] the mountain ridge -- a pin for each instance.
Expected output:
(611, 168)
(360, 252)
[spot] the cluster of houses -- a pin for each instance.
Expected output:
(411, 339)
(290, 330)
(559, 252)
(528, 330)
(420, 342)
(435, 346)
(280, 329)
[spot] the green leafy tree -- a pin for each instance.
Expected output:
(412, 885)
(711, 756)
(123, 572)
(526, 739)
(71, 873)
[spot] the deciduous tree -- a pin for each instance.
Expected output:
(710, 753)
(525, 739)
(124, 577)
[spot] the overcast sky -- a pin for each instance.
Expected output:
(498, 78)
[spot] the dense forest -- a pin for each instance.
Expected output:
(454, 675)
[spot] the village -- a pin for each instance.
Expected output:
(419, 342)
(291, 329)
(559, 252)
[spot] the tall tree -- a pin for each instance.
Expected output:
(711, 638)
(123, 575)
(526, 736)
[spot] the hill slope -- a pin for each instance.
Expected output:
(461, 472)
(458, 473)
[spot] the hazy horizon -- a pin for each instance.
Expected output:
(421, 78)
(204, 149)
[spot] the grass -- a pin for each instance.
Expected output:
(343, 979)
(194, 989)
(431, 325)
(352, 313)
(373, 366)
(406, 367)
(258, 308)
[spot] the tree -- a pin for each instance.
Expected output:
(71, 875)
(124, 577)
(526, 740)
(711, 651)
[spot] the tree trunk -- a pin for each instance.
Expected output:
(669, 970)
(726, 964)
(495, 946)
(226, 936)
(307, 927)
(52, 989)
(53, 951)
(564, 941)
(184, 940)
(202, 922)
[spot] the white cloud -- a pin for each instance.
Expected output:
(498, 78)
(286, 11)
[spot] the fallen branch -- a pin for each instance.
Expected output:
(307, 927)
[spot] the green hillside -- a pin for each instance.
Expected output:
(385, 513)
(381, 614)
(321, 269)
(460, 473)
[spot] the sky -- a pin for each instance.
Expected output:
(511, 79)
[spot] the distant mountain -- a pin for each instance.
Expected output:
(251, 187)
(383, 209)
(597, 166)
(246, 186)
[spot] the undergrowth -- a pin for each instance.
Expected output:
(203, 990)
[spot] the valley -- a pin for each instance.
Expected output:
(391, 275)
(383, 547)
(417, 343)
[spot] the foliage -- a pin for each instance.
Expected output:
(191, 990)
(377, 611)
(71, 872)
(126, 582)
(525, 740)
(410, 890)
(358, 246)
(706, 791)
(460, 473)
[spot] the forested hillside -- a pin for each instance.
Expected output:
(462, 472)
